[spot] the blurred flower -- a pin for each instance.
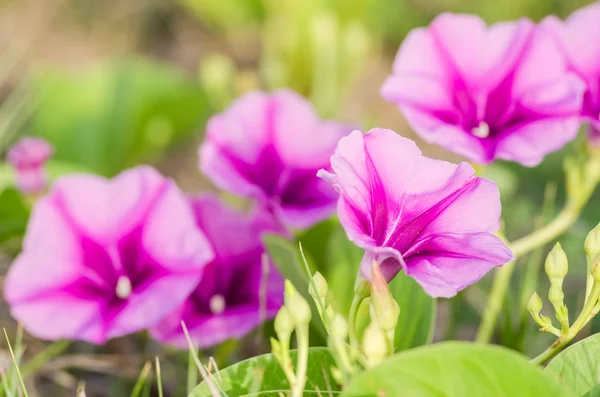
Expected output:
(498, 92)
(28, 157)
(269, 147)
(104, 258)
(236, 292)
(577, 38)
(430, 218)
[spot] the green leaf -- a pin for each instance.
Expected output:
(417, 309)
(577, 366)
(14, 214)
(456, 369)
(595, 392)
(286, 258)
(116, 114)
(262, 376)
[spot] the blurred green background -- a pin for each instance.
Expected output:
(114, 83)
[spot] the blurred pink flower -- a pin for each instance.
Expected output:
(430, 218)
(228, 302)
(105, 258)
(579, 39)
(497, 92)
(269, 147)
(28, 157)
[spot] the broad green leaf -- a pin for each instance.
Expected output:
(287, 259)
(262, 376)
(417, 309)
(456, 369)
(14, 214)
(578, 366)
(595, 392)
(116, 114)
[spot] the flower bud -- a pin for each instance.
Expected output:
(385, 308)
(339, 327)
(596, 270)
(318, 288)
(284, 323)
(556, 295)
(297, 306)
(330, 312)
(535, 304)
(374, 343)
(557, 264)
(592, 244)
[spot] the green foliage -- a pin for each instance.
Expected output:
(456, 369)
(577, 366)
(116, 114)
(14, 214)
(262, 376)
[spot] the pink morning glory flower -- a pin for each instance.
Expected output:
(430, 218)
(497, 92)
(578, 37)
(28, 157)
(269, 147)
(238, 291)
(105, 258)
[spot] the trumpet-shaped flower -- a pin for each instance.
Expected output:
(28, 157)
(430, 218)
(104, 258)
(497, 92)
(577, 37)
(239, 289)
(269, 147)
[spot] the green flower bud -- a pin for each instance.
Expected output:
(557, 264)
(284, 323)
(596, 270)
(592, 244)
(535, 303)
(298, 307)
(339, 327)
(385, 308)
(318, 288)
(330, 312)
(556, 295)
(374, 344)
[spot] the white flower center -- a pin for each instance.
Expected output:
(482, 130)
(123, 289)
(217, 304)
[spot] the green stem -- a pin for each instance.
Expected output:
(352, 334)
(581, 321)
(302, 340)
(520, 247)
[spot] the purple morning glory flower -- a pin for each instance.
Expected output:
(269, 147)
(238, 290)
(497, 92)
(430, 218)
(577, 38)
(105, 258)
(28, 157)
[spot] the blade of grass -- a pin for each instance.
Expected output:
(137, 389)
(212, 385)
(16, 364)
(192, 373)
(158, 377)
(44, 356)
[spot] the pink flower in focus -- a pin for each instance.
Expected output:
(105, 258)
(497, 92)
(228, 302)
(28, 157)
(430, 218)
(269, 147)
(579, 39)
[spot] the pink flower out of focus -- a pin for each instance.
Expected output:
(497, 92)
(430, 218)
(269, 147)
(28, 157)
(235, 294)
(104, 258)
(578, 38)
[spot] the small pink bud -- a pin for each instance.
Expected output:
(28, 157)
